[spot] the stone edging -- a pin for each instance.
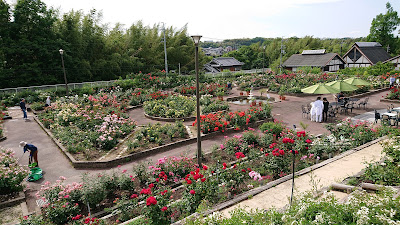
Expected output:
(133, 156)
(253, 192)
(389, 100)
(12, 202)
(193, 118)
(2, 138)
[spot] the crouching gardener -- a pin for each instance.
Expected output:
(32, 150)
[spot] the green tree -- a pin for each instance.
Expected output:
(382, 28)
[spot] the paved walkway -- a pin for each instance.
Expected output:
(334, 172)
(55, 164)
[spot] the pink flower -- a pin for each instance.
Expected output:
(134, 196)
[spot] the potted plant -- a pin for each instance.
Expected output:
(282, 92)
(220, 95)
(247, 90)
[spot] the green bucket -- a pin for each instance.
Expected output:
(36, 174)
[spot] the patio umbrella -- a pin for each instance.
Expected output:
(342, 86)
(320, 89)
(357, 81)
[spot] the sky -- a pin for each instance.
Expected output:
(218, 20)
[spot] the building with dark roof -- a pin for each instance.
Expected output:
(329, 62)
(395, 60)
(223, 63)
(365, 54)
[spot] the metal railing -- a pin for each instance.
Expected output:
(56, 86)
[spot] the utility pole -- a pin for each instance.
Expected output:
(165, 51)
(179, 67)
(387, 48)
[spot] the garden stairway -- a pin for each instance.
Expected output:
(333, 172)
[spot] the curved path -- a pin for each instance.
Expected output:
(54, 164)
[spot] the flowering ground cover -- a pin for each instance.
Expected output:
(139, 95)
(220, 121)
(205, 89)
(394, 94)
(361, 208)
(11, 173)
(387, 171)
(153, 135)
(174, 106)
(236, 165)
(88, 125)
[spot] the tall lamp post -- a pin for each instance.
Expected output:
(65, 75)
(263, 58)
(196, 39)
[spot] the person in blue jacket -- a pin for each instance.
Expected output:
(33, 150)
(23, 108)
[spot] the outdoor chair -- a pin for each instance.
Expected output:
(305, 111)
(385, 119)
(350, 106)
(377, 116)
(331, 114)
(390, 108)
(363, 103)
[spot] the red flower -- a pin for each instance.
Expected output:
(308, 141)
(243, 170)
(188, 181)
(151, 185)
(266, 154)
(151, 201)
(203, 179)
(192, 192)
(239, 155)
(145, 191)
(224, 165)
(196, 177)
(248, 169)
(164, 208)
(216, 129)
(205, 167)
(134, 196)
(281, 152)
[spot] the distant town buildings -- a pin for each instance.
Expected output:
(216, 51)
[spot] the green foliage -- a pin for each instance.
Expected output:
(362, 208)
(176, 106)
(274, 128)
(11, 173)
(382, 28)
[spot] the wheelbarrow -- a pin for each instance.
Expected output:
(36, 174)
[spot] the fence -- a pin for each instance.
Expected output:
(94, 83)
(56, 86)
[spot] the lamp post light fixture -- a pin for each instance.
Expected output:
(196, 39)
(65, 75)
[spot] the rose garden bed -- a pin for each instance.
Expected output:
(257, 161)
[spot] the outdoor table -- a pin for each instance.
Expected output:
(353, 99)
(391, 115)
(396, 109)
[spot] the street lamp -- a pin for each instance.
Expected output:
(65, 75)
(196, 39)
(263, 58)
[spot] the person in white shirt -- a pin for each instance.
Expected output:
(319, 107)
(313, 112)
(48, 103)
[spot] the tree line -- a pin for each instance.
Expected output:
(31, 35)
